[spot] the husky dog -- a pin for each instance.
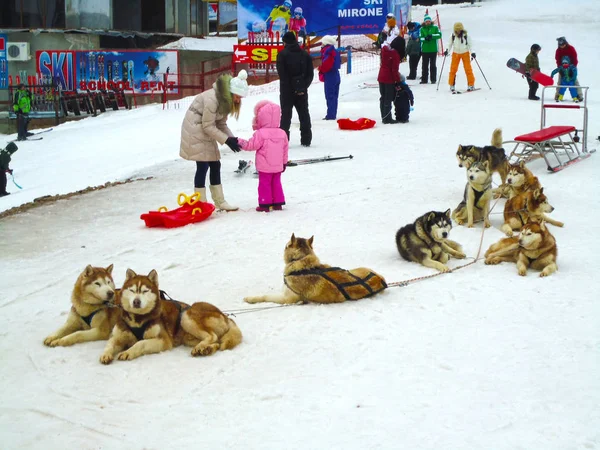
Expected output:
(525, 207)
(307, 280)
(426, 241)
(535, 248)
(494, 154)
(151, 324)
(475, 205)
(519, 179)
(92, 316)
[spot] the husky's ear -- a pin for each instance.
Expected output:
(153, 275)
(130, 274)
(447, 213)
(537, 193)
(310, 241)
(109, 269)
(430, 216)
(293, 239)
(89, 270)
(521, 164)
(486, 164)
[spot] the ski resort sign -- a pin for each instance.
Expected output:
(321, 17)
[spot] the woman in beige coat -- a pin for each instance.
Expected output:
(205, 125)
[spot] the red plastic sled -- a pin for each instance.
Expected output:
(191, 211)
(542, 78)
(359, 124)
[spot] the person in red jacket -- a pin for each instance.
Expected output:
(389, 75)
(566, 49)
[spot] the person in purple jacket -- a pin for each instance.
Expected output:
(271, 145)
(329, 74)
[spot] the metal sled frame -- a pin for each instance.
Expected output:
(557, 141)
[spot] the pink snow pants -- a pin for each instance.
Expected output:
(270, 191)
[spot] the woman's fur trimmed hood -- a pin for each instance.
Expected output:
(224, 97)
(458, 28)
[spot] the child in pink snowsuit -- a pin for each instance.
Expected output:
(271, 145)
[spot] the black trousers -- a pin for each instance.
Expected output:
(429, 67)
(533, 87)
(22, 122)
(201, 169)
(387, 93)
(300, 102)
(413, 62)
(2, 181)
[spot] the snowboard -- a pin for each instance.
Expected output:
(536, 75)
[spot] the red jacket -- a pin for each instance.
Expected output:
(569, 51)
(389, 71)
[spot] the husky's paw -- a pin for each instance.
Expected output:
(252, 299)
(445, 269)
(560, 224)
(492, 261)
(470, 225)
(106, 358)
(522, 271)
(51, 339)
(205, 350)
(125, 356)
(507, 231)
(487, 224)
(460, 255)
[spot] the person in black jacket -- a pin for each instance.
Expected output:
(295, 70)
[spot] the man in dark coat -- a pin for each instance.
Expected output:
(295, 70)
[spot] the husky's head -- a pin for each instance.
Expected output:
(140, 294)
(466, 155)
(539, 203)
(516, 175)
(438, 225)
(297, 248)
(97, 285)
(479, 172)
(532, 235)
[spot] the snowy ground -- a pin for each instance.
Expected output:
(477, 359)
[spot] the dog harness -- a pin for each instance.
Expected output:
(323, 272)
(138, 332)
(88, 319)
(479, 194)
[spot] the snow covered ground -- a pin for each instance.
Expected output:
(476, 359)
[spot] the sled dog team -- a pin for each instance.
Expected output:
(141, 319)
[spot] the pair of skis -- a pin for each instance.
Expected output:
(465, 91)
(245, 165)
(33, 138)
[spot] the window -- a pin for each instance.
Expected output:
(33, 14)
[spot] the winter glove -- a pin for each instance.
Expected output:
(428, 38)
(9, 171)
(398, 86)
(473, 56)
(412, 103)
(232, 142)
(446, 52)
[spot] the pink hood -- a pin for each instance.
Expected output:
(266, 115)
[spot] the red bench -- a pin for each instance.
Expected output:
(555, 140)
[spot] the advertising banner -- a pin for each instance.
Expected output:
(255, 54)
(141, 71)
(401, 10)
(307, 16)
(3, 62)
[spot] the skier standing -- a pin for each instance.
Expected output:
(5, 157)
(461, 46)
(22, 106)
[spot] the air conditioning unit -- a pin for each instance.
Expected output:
(17, 51)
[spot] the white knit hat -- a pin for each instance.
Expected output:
(328, 40)
(238, 84)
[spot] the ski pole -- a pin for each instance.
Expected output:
(441, 71)
(486, 81)
(13, 180)
(299, 162)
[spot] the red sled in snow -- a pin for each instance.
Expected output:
(192, 210)
(535, 74)
(359, 124)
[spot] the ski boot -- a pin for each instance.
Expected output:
(471, 88)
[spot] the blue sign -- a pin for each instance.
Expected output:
(3, 62)
(307, 16)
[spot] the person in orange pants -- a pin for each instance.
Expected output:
(460, 43)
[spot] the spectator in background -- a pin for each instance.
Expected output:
(5, 157)
(329, 74)
(388, 77)
(429, 35)
(413, 48)
(532, 61)
(295, 70)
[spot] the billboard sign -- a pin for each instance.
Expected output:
(141, 71)
(3, 62)
(321, 17)
(256, 54)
